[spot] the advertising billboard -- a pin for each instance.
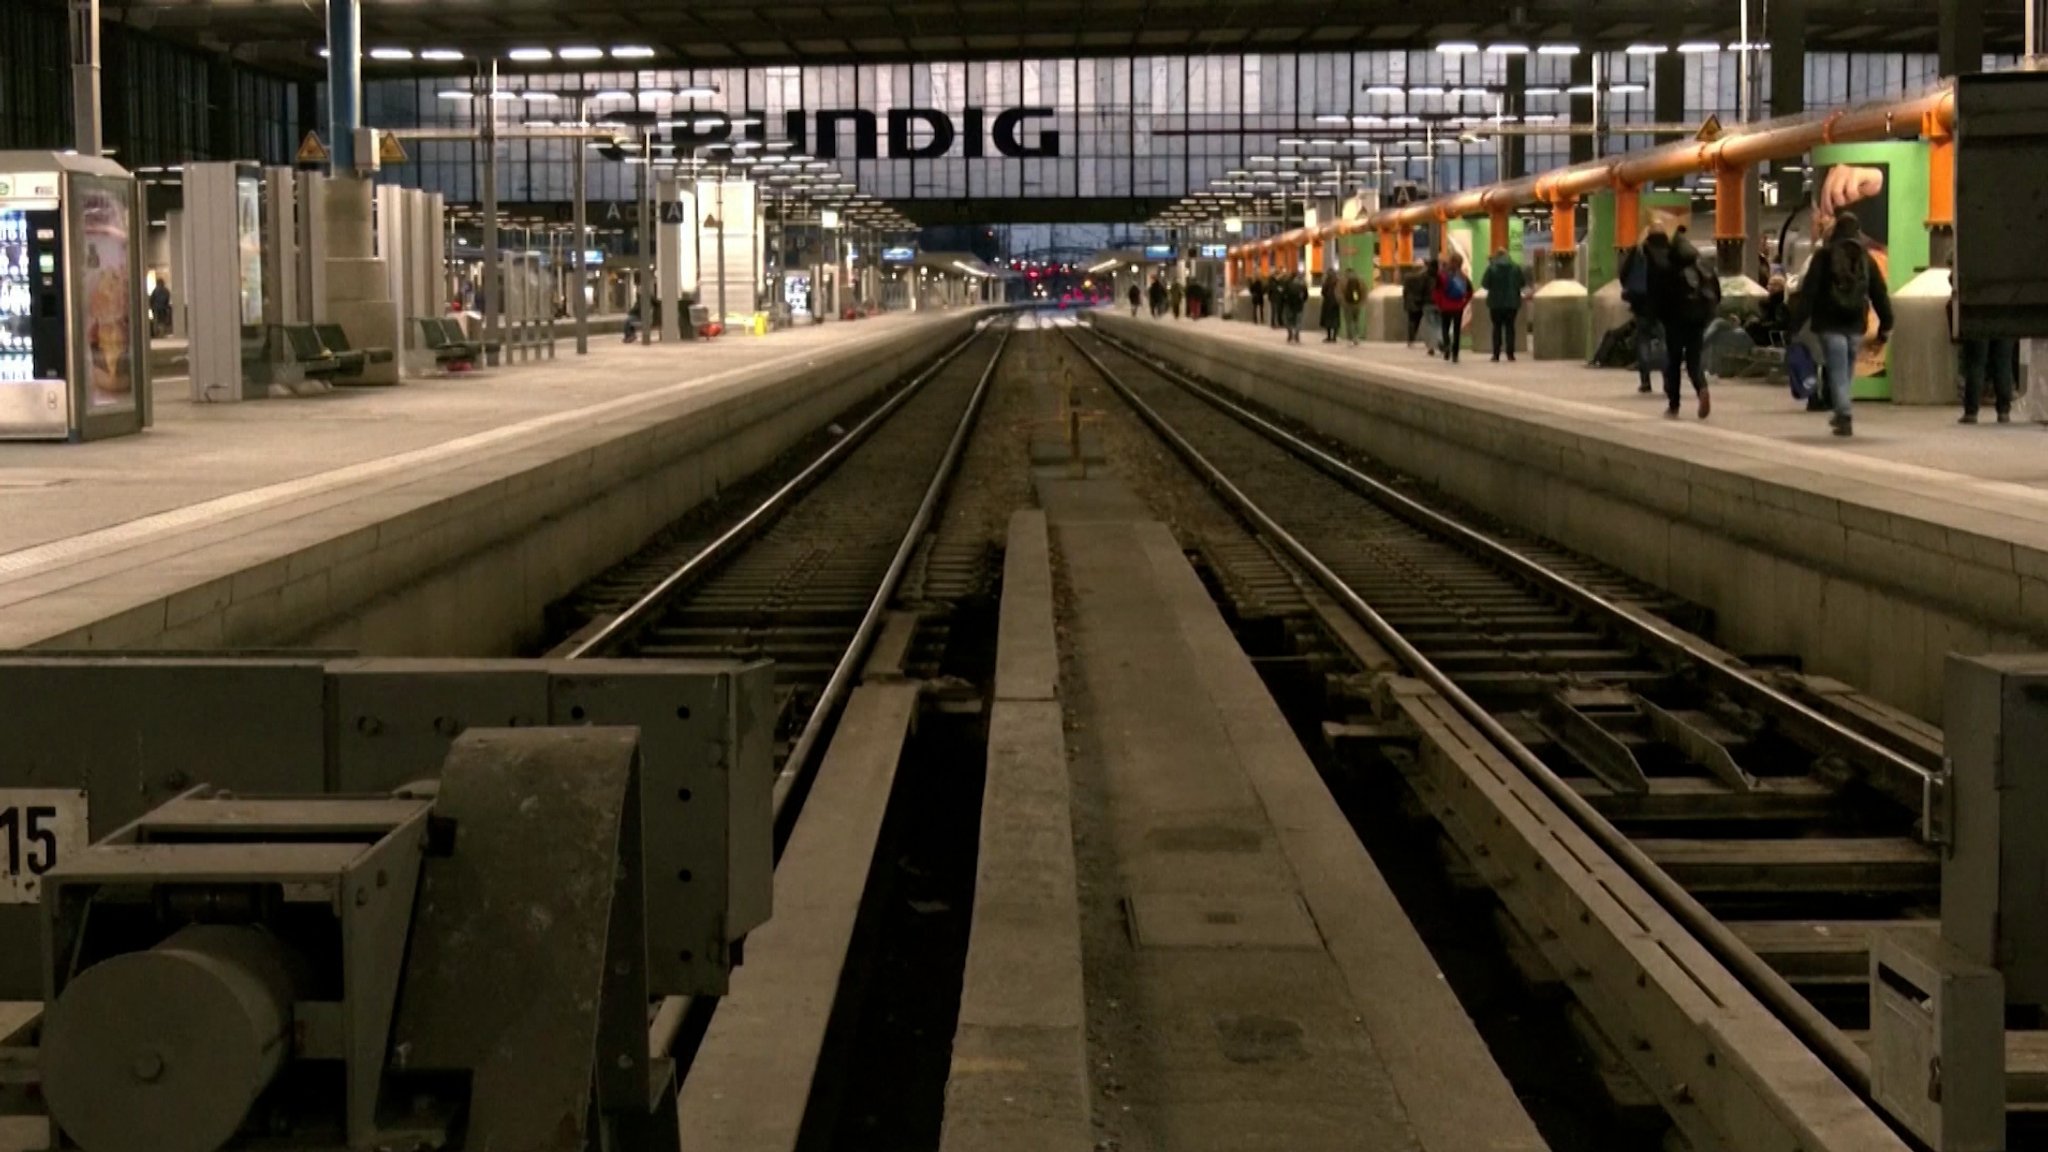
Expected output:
(103, 290)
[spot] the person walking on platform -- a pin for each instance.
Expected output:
(1843, 286)
(1333, 304)
(1453, 294)
(1276, 307)
(1354, 305)
(1176, 295)
(1504, 282)
(1635, 291)
(1136, 297)
(1257, 288)
(1416, 293)
(1684, 295)
(1156, 293)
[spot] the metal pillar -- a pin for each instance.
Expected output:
(1514, 157)
(85, 76)
(1585, 107)
(344, 82)
(646, 230)
(494, 284)
(582, 224)
(1785, 29)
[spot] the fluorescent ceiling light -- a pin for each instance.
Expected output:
(539, 96)
(501, 95)
(1508, 49)
(1457, 47)
(1749, 46)
(1540, 118)
(1294, 142)
(390, 53)
(612, 94)
(582, 52)
(440, 54)
(1333, 118)
(1648, 49)
(1542, 91)
(654, 94)
(452, 94)
(1698, 47)
(1327, 143)
(632, 52)
(1558, 50)
(1426, 90)
(530, 55)
(1627, 89)
(1469, 93)
(1582, 89)
(1385, 90)
(1368, 121)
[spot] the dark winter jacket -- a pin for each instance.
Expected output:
(1816, 292)
(1504, 282)
(1672, 297)
(1419, 288)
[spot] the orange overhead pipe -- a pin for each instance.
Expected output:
(1628, 214)
(1941, 172)
(1742, 147)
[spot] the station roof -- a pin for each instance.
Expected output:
(720, 33)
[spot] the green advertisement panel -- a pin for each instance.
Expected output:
(1355, 253)
(1602, 266)
(1885, 185)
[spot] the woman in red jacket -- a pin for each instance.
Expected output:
(1452, 296)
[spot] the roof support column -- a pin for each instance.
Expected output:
(85, 76)
(344, 82)
(1962, 37)
(1514, 152)
(1785, 31)
(1583, 148)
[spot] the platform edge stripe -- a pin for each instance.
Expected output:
(1419, 1031)
(1027, 646)
(747, 1089)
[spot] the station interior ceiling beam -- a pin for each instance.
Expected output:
(725, 33)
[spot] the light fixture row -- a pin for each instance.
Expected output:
(1689, 47)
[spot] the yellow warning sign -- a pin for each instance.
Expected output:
(1711, 130)
(311, 150)
(389, 150)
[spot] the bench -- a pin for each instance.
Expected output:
(434, 337)
(353, 360)
(456, 335)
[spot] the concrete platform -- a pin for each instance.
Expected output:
(1252, 983)
(1870, 558)
(271, 521)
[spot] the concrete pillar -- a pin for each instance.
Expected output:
(312, 229)
(174, 220)
(1386, 320)
(280, 248)
(1962, 37)
(669, 231)
(1923, 361)
(1558, 316)
(358, 285)
(1785, 30)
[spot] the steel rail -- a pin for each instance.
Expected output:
(1836, 1050)
(1898, 775)
(669, 1017)
(621, 628)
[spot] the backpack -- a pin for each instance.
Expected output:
(1635, 276)
(1848, 278)
(1457, 289)
(1702, 292)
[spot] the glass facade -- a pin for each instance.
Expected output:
(1148, 127)
(161, 103)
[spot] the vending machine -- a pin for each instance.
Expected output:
(74, 336)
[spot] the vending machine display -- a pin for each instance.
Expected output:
(73, 345)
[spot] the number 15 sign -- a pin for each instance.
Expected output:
(39, 827)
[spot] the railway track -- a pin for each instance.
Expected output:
(1699, 851)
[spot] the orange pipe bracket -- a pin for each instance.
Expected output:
(1941, 169)
(1628, 215)
(1730, 223)
(1564, 225)
(1497, 232)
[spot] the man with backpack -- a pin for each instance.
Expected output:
(1354, 305)
(1685, 295)
(1843, 286)
(1635, 291)
(1504, 282)
(1453, 295)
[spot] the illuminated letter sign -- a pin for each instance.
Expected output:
(900, 147)
(1006, 134)
(972, 136)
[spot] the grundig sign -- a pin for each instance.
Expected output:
(973, 135)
